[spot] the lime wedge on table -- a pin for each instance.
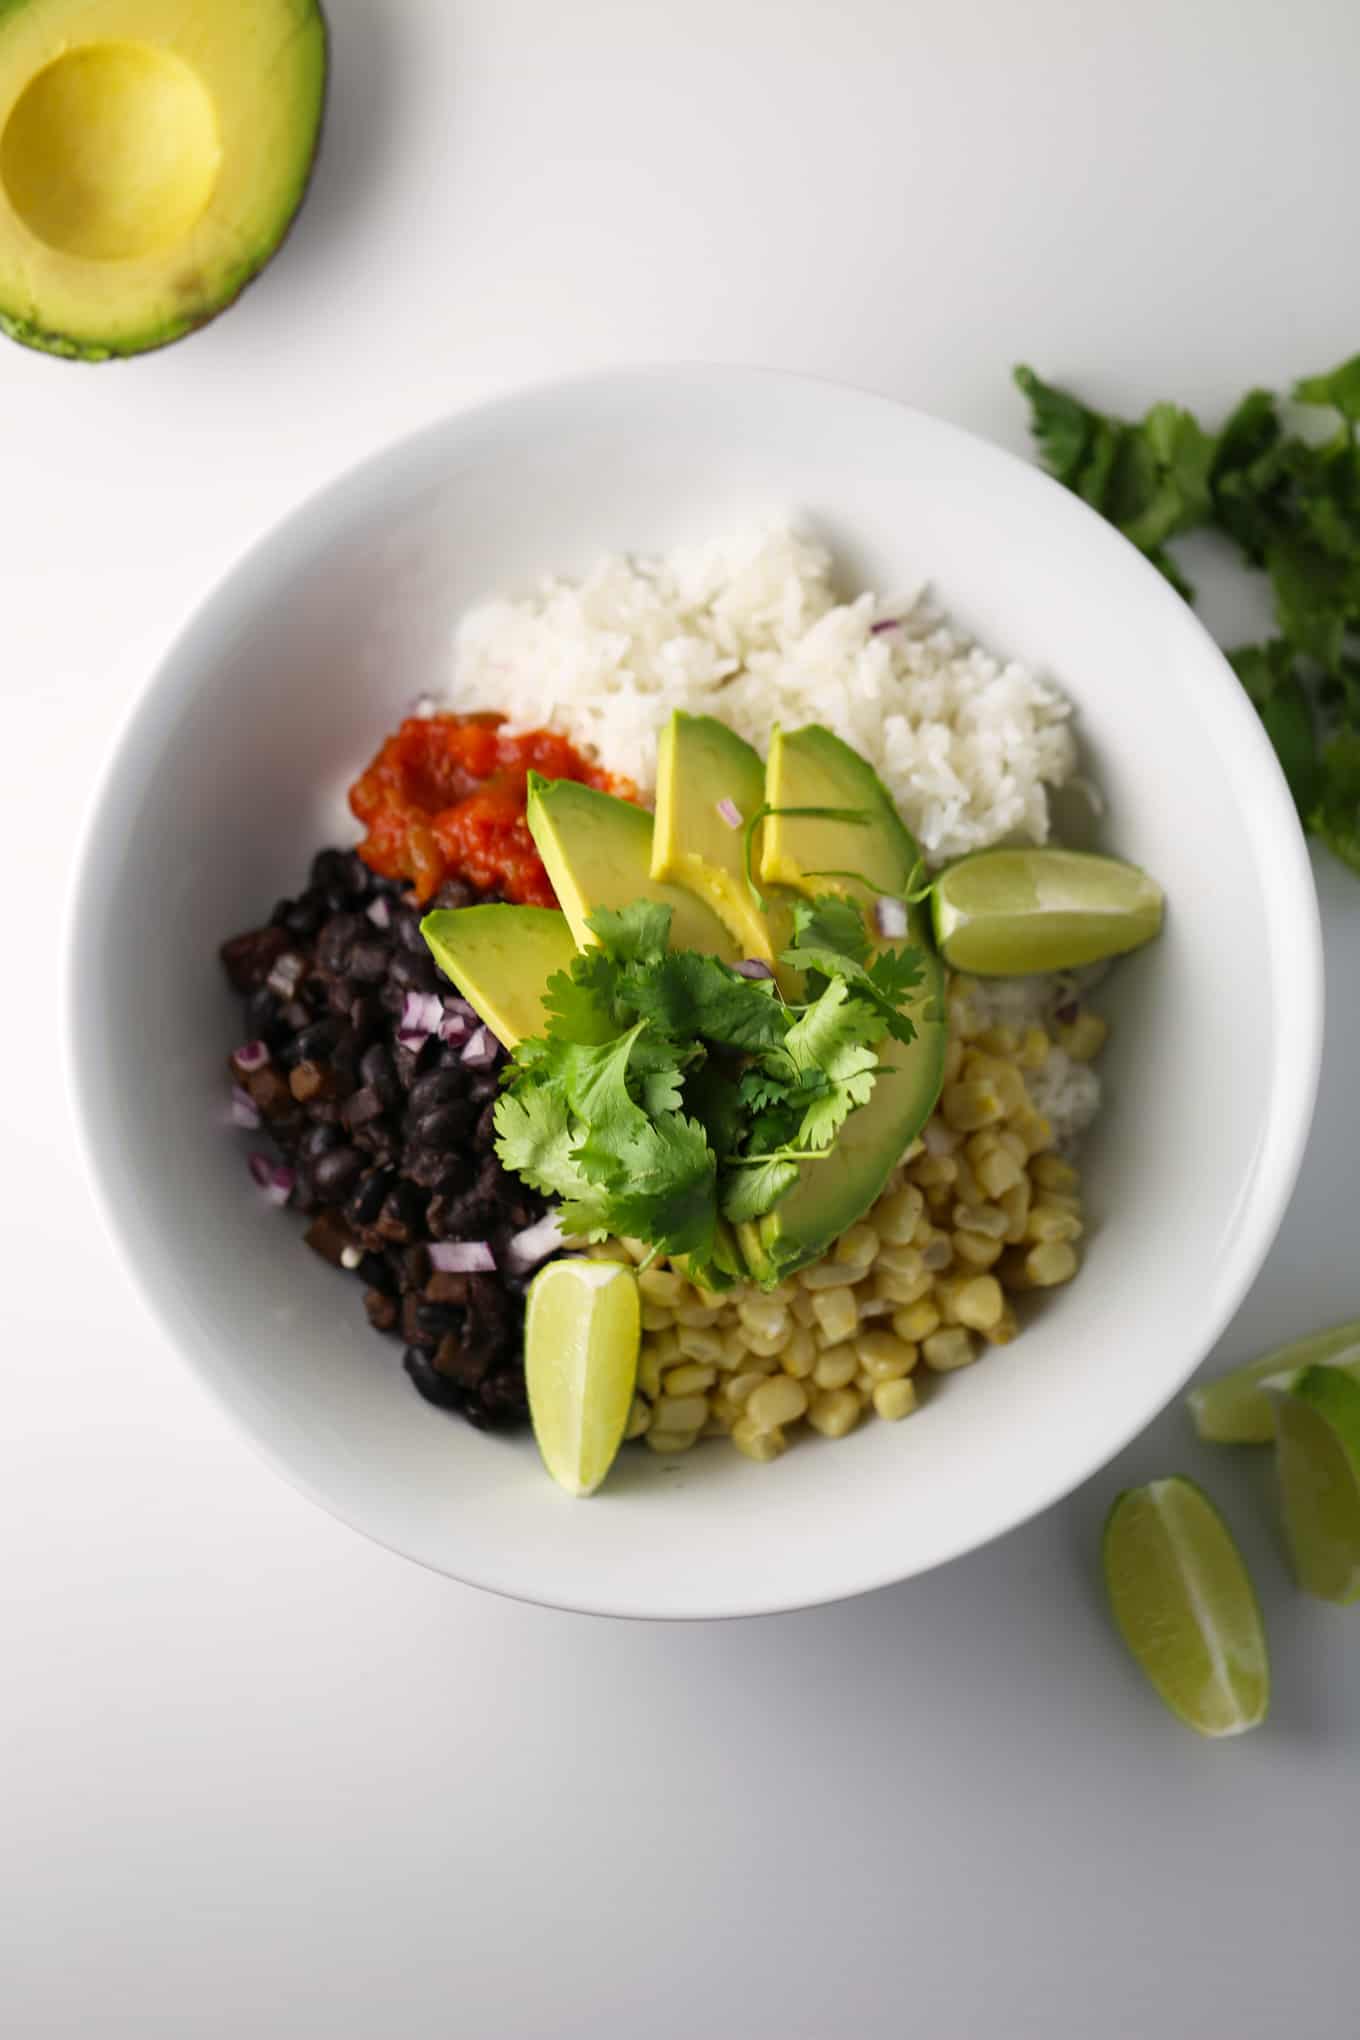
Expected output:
(1319, 1466)
(1186, 1607)
(1237, 1410)
(582, 1328)
(1011, 912)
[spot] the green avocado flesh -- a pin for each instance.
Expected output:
(812, 768)
(153, 154)
(700, 763)
(597, 850)
(501, 958)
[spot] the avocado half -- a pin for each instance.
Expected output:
(153, 155)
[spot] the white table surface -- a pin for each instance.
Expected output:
(259, 1777)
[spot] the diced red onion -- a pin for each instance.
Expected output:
(244, 1111)
(275, 1180)
(421, 1013)
(536, 1242)
(480, 1049)
(752, 967)
(454, 1030)
(885, 623)
(730, 813)
(251, 1056)
(891, 918)
(380, 911)
(286, 975)
(462, 1257)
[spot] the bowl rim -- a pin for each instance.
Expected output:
(260, 563)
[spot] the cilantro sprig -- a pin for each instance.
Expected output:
(1290, 501)
(667, 1091)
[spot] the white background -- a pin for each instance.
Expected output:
(259, 1777)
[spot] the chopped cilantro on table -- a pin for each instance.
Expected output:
(1290, 501)
(668, 1091)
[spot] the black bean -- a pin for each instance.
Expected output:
(443, 1126)
(435, 1387)
(336, 940)
(377, 1071)
(249, 958)
(381, 1310)
(315, 1041)
(318, 1140)
(483, 1088)
(453, 893)
(406, 928)
(335, 1171)
(363, 1106)
(368, 960)
(378, 1273)
(301, 917)
(328, 868)
(356, 875)
(413, 973)
(438, 1317)
(435, 1089)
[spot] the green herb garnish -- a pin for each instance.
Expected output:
(667, 1090)
(1291, 503)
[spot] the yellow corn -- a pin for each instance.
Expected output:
(1050, 1263)
(1051, 1172)
(1033, 1051)
(884, 1357)
(945, 1350)
(663, 1286)
(1084, 1037)
(639, 1417)
(894, 1399)
(979, 1303)
(680, 1413)
(822, 1275)
(1003, 1041)
(953, 1060)
(780, 1400)
(741, 1385)
(1015, 1203)
(834, 1412)
(916, 1322)
(688, 1379)
(671, 1441)
(856, 1248)
(755, 1443)
(695, 1313)
(836, 1368)
(897, 1215)
(837, 1312)
(697, 1344)
(799, 1356)
(759, 1315)
(649, 1370)
(1048, 1222)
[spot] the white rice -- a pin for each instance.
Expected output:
(750, 629)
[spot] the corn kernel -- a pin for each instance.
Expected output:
(781, 1400)
(608, 1250)
(1012, 1144)
(755, 1443)
(1006, 1327)
(801, 1308)
(760, 1315)
(968, 1105)
(917, 1322)
(639, 1417)
(1033, 1051)
(835, 1412)
(1050, 1263)
(1033, 1129)
(979, 1303)
(953, 1059)
(931, 1172)
(1084, 1037)
(663, 1286)
(671, 1441)
(976, 1250)
(636, 1250)
(967, 1189)
(885, 1357)
(836, 1368)
(680, 1413)
(856, 1248)
(998, 1172)
(1051, 1172)
(894, 1399)
(837, 1312)
(721, 1417)
(697, 1344)
(937, 1252)
(734, 1358)
(1047, 1222)
(823, 1275)
(999, 1040)
(897, 1290)
(799, 1356)
(897, 1215)
(701, 1315)
(772, 1343)
(864, 1384)
(741, 1386)
(1015, 1203)
(688, 1379)
(649, 1370)
(945, 1350)
(988, 1219)
(655, 1318)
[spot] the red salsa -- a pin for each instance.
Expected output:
(445, 798)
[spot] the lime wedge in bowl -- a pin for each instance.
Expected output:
(1318, 1451)
(1185, 1606)
(1238, 1409)
(1010, 913)
(582, 1329)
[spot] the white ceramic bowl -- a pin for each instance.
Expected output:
(231, 772)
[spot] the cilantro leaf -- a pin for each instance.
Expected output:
(750, 1193)
(831, 922)
(885, 984)
(1268, 673)
(1336, 815)
(635, 934)
(1340, 388)
(687, 994)
(535, 1140)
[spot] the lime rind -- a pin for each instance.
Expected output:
(1016, 912)
(1185, 1606)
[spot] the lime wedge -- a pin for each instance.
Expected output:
(1186, 1607)
(1236, 1410)
(1006, 913)
(1318, 1456)
(582, 1327)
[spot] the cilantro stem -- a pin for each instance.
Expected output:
(820, 814)
(778, 1155)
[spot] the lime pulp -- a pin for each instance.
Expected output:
(1236, 1409)
(1318, 1460)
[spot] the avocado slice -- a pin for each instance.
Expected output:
(598, 853)
(501, 958)
(152, 158)
(812, 768)
(699, 763)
